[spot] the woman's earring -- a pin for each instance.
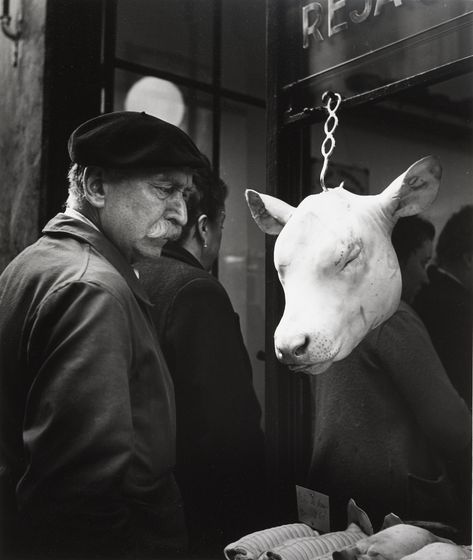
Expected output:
(205, 245)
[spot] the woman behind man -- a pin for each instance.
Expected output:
(220, 445)
(390, 430)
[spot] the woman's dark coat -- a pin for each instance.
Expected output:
(220, 448)
(87, 406)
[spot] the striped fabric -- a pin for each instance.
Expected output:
(252, 546)
(312, 548)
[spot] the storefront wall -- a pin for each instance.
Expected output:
(52, 84)
(21, 111)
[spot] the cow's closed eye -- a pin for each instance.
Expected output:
(352, 257)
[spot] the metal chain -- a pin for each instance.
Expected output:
(332, 120)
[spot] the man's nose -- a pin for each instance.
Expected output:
(177, 209)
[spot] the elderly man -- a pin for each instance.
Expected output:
(87, 427)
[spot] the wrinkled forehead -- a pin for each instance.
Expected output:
(321, 222)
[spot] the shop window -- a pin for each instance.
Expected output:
(242, 257)
(242, 60)
(172, 36)
(201, 65)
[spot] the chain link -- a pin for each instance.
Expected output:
(328, 144)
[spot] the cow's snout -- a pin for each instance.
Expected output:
(291, 349)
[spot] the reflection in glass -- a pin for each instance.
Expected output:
(243, 46)
(400, 42)
(169, 102)
(174, 36)
(157, 97)
(391, 135)
(242, 255)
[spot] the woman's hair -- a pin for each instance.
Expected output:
(409, 234)
(456, 238)
(207, 196)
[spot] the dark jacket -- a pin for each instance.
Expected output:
(387, 421)
(220, 448)
(87, 429)
(446, 308)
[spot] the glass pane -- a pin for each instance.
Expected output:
(184, 107)
(243, 46)
(376, 146)
(174, 36)
(242, 256)
(352, 51)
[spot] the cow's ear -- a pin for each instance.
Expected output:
(414, 190)
(390, 520)
(270, 213)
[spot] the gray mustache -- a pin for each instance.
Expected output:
(167, 229)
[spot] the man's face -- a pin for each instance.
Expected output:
(414, 273)
(142, 212)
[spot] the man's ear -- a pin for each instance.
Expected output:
(93, 187)
(202, 228)
(270, 213)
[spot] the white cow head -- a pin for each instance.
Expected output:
(336, 263)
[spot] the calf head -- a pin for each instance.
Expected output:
(336, 264)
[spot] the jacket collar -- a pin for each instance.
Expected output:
(175, 251)
(448, 276)
(63, 224)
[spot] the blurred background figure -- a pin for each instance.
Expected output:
(388, 423)
(220, 445)
(445, 304)
(412, 240)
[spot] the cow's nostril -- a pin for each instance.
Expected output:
(301, 349)
(290, 349)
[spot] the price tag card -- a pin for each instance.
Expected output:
(313, 509)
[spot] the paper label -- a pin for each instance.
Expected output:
(313, 509)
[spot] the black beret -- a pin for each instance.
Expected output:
(128, 139)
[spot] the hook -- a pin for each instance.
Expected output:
(328, 98)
